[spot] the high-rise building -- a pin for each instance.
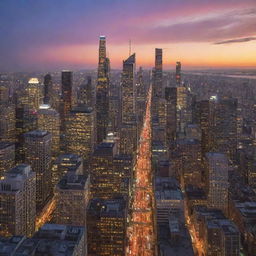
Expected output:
(128, 88)
(49, 120)
(106, 224)
(47, 89)
(33, 93)
(218, 121)
(64, 164)
(128, 138)
(225, 130)
(102, 92)
(72, 195)
(140, 98)
(217, 180)
(189, 161)
(171, 111)
(7, 157)
(105, 181)
(18, 201)
(4, 94)
(80, 131)
(54, 239)
(182, 109)
(7, 122)
(85, 93)
(38, 155)
(123, 165)
(178, 74)
(158, 73)
(66, 88)
(65, 103)
(25, 122)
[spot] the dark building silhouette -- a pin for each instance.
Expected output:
(102, 92)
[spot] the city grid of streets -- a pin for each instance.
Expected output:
(141, 232)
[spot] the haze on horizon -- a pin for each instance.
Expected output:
(53, 34)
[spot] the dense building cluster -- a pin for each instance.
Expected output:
(132, 162)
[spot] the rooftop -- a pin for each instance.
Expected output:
(52, 239)
(82, 109)
(108, 208)
(36, 133)
(72, 182)
(33, 80)
(10, 244)
(5, 145)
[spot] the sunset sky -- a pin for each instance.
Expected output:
(57, 34)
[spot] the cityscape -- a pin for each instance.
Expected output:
(128, 128)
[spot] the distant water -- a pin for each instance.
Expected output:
(224, 75)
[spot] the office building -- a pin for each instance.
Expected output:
(49, 120)
(80, 131)
(66, 89)
(171, 111)
(65, 104)
(189, 162)
(217, 180)
(7, 122)
(178, 74)
(48, 90)
(106, 224)
(157, 84)
(38, 155)
(53, 239)
(7, 156)
(225, 130)
(128, 90)
(85, 93)
(64, 164)
(105, 181)
(168, 198)
(26, 121)
(72, 195)
(18, 201)
(102, 92)
(34, 94)
(128, 138)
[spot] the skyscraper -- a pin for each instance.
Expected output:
(38, 155)
(102, 92)
(218, 120)
(128, 88)
(106, 223)
(72, 195)
(7, 122)
(25, 122)
(225, 130)
(80, 131)
(178, 74)
(18, 201)
(67, 83)
(85, 93)
(64, 164)
(33, 94)
(158, 73)
(66, 103)
(217, 179)
(105, 181)
(171, 111)
(47, 89)
(49, 120)
(7, 157)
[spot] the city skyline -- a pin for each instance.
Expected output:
(44, 35)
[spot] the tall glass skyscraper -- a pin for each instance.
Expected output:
(102, 91)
